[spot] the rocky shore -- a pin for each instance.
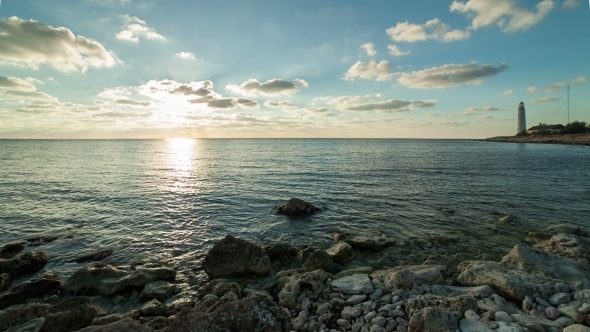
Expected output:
(543, 285)
(574, 139)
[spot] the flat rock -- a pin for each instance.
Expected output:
(570, 310)
(409, 276)
(365, 242)
(159, 290)
(468, 325)
(446, 290)
(94, 256)
(29, 289)
(577, 328)
(341, 252)
(433, 319)
(28, 262)
(353, 285)
(297, 207)
(233, 257)
(127, 325)
(560, 298)
(34, 325)
(532, 320)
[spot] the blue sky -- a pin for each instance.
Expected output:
(178, 68)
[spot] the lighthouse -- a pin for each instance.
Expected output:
(521, 119)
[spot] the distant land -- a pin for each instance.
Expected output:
(569, 139)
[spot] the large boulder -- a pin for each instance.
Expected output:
(433, 319)
(297, 207)
(341, 252)
(524, 271)
(248, 314)
(297, 282)
(281, 252)
(28, 262)
(313, 259)
(29, 289)
(127, 325)
(460, 303)
(107, 280)
(408, 276)
(233, 257)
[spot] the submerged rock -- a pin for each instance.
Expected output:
(29, 289)
(297, 207)
(10, 250)
(236, 258)
(93, 256)
(29, 262)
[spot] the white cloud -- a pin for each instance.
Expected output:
(132, 102)
(29, 95)
(34, 80)
(136, 28)
(571, 4)
(186, 55)
(531, 89)
(434, 29)
(15, 83)
(450, 75)
(507, 93)
(110, 3)
(482, 109)
(368, 48)
(544, 100)
(272, 87)
(371, 103)
(395, 51)
(283, 104)
(370, 71)
(31, 44)
(558, 86)
(505, 14)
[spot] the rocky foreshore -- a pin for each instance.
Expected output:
(540, 286)
(570, 139)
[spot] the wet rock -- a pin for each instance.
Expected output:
(250, 314)
(42, 239)
(313, 259)
(236, 257)
(468, 325)
(433, 319)
(281, 252)
(175, 306)
(152, 308)
(219, 287)
(29, 289)
(299, 282)
(107, 280)
(361, 270)
(94, 256)
(408, 276)
(159, 290)
(34, 325)
(364, 242)
(341, 252)
(5, 282)
(353, 285)
(29, 262)
(526, 320)
(577, 328)
(566, 245)
(127, 324)
(560, 298)
(10, 250)
(508, 219)
(568, 229)
(297, 207)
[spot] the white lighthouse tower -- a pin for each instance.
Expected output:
(521, 119)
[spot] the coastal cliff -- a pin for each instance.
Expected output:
(571, 139)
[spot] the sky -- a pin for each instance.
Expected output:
(272, 69)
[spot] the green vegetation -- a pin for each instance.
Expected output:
(575, 127)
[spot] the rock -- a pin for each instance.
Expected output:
(29, 289)
(175, 306)
(28, 262)
(10, 250)
(356, 299)
(341, 252)
(471, 314)
(297, 207)
(323, 308)
(364, 242)
(503, 316)
(219, 287)
(527, 303)
(508, 219)
(582, 295)
(94, 256)
(353, 285)
(152, 308)
(460, 303)
(249, 314)
(34, 325)
(577, 328)
(159, 290)
(361, 270)
(495, 303)
(334, 268)
(299, 321)
(5, 282)
(236, 258)
(104, 279)
(281, 252)
(560, 298)
(566, 245)
(379, 321)
(108, 319)
(408, 276)
(376, 295)
(570, 310)
(127, 325)
(584, 309)
(508, 327)
(568, 229)
(468, 325)
(433, 319)
(527, 320)
(297, 283)
(158, 323)
(565, 321)
(446, 290)
(313, 259)
(350, 313)
(552, 313)
(526, 271)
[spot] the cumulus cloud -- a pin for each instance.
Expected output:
(393, 106)
(395, 51)
(272, 87)
(132, 102)
(368, 48)
(506, 14)
(136, 28)
(378, 71)
(558, 86)
(15, 83)
(434, 29)
(186, 55)
(544, 100)
(571, 4)
(29, 95)
(507, 93)
(34, 80)
(450, 75)
(473, 110)
(32, 44)
(283, 104)
(531, 89)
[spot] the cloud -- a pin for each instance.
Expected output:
(368, 48)
(544, 100)
(272, 87)
(109, 3)
(34, 80)
(32, 44)
(283, 104)
(136, 28)
(29, 95)
(571, 4)
(434, 29)
(186, 55)
(132, 102)
(505, 14)
(450, 75)
(393, 106)
(482, 109)
(395, 51)
(14, 83)
(507, 93)
(123, 115)
(558, 86)
(531, 89)
(555, 111)
(370, 71)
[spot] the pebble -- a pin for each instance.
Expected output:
(527, 304)
(299, 321)
(376, 294)
(470, 314)
(376, 328)
(468, 325)
(584, 309)
(565, 321)
(370, 316)
(503, 316)
(357, 327)
(400, 292)
(379, 320)
(356, 299)
(378, 284)
(402, 329)
(343, 323)
(396, 314)
(323, 308)
(337, 301)
(552, 313)
(560, 298)
(391, 325)
(542, 302)
(305, 304)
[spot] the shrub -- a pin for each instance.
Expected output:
(575, 127)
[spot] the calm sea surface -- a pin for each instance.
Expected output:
(170, 200)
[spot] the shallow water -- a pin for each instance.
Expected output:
(171, 200)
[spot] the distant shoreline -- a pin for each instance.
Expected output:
(573, 139)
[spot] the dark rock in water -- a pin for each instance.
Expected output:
(159, 290)
(39, 240)
(5, 281)
(364, 242)
(104, 279)
(94, 256)
(249, 314)
(281, 252)
(297, 207)
(29, 289)
(127, 325)
(236, 258)
(29, 262)
(10, 250)
(313, 259)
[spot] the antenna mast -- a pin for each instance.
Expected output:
(568, 104)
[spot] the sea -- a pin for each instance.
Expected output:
(169, 201)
